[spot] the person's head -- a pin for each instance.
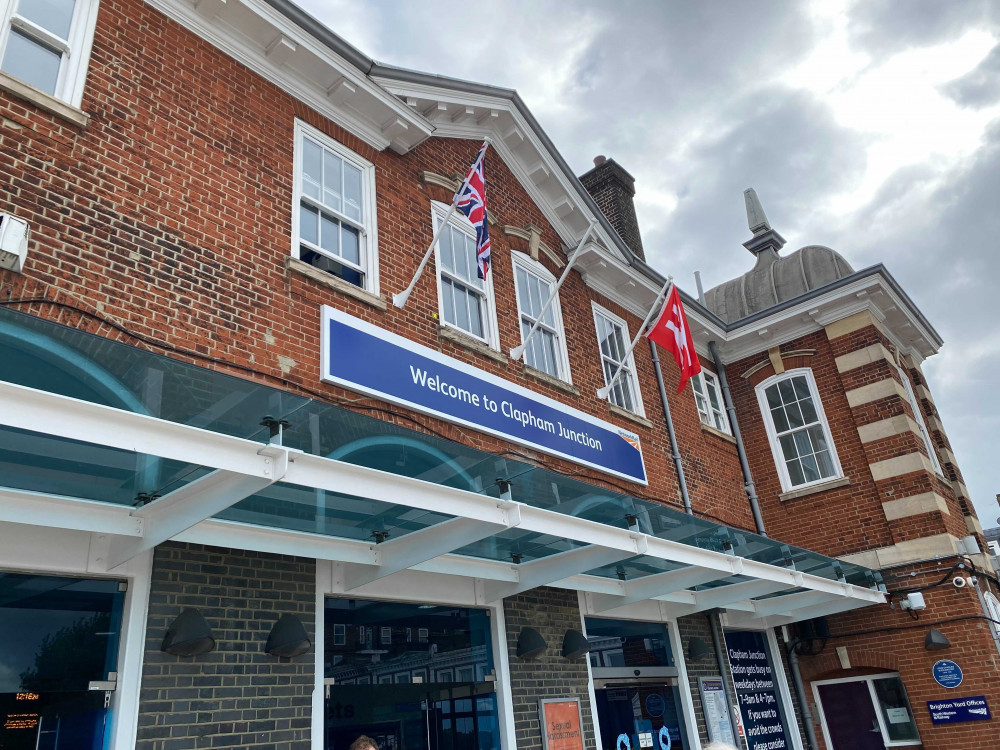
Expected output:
(364, 742)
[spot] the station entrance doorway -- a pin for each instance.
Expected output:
(634, 715)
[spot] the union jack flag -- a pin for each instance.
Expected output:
(471, 201)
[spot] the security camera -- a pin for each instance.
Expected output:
(958, 582)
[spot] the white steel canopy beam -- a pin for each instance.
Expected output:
(549, 569)
(822, 610)
(663, 584)
(420, 546)
(780, 605)
(736, 592)
(196, 501)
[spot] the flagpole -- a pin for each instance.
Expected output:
(517, 351)
(399, 300)
(602, 393)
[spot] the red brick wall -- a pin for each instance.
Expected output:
(170, 214)
(898, 646)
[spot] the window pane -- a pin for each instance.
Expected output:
(448, 300)
(825, 463)
(773, 399)
(331, 265)
(461, 307)
(332, 180)
(31, 62)
(309, 224)
(780, 421)
(603, 336)
(794, 415)
(720, 423)
(547, 343)
(350, 246)
(785, 389)
(475, 315)
(696, 384)
(713, 395)
(788, 447)
(329, 235)
(895, 709)
(818, 438)
(808, 411)
(52, 15)
(447, 250)
(802, 445)
(352, 192)
(523, 303)
(795, 475)
(312, 169)
(801, 387)
(809, 468)
(536, 296)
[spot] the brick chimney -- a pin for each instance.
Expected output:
(612, 188)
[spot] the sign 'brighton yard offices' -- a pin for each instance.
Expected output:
(371, 360)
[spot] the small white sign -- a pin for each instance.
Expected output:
(898, 715)
(645, 739)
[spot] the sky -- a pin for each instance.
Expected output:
(872, 127)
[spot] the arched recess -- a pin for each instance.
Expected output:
(34, 359)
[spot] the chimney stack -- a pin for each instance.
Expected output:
(613, 189)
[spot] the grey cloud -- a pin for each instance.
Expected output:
(886, 26)
(981, 87)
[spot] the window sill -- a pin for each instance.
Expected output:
(43, 101)
(337, 284)
(447, 333)
(831, 485)
(544, 377)
(618, 411)
(708, 429)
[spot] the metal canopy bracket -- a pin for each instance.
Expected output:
(553, 568)
(168, 516)
(420, 546)
(664, 584)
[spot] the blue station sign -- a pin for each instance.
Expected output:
(954, 710)
(371, 360)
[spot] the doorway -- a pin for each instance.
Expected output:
(869, 712)
(639, 716)
(58, 660)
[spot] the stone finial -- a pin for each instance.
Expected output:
(756, 218)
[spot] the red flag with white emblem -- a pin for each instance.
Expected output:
(672, 333)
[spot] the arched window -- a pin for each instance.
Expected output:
(797, 429)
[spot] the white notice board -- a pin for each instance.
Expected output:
(716, 708)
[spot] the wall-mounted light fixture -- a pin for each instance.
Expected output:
(698, 649)
(288, 638)
(936, 640)
(575, 645)
(188, 635)
(530, 644)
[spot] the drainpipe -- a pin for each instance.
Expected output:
(800, 692)
(989, 620)
(714, 623)
(675, 452)
(727, 397)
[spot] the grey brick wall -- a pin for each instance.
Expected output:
(237, 695)
(551, 612)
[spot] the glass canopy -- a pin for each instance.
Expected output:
(69, 362)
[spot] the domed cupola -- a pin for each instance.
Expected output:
(774, 278)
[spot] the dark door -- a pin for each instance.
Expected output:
(850, 716)
(640, 717)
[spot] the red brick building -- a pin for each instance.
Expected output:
(250, 501)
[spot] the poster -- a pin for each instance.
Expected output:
(562, 728)
(716, 709)
(756, 690)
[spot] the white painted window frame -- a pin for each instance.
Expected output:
(710, 381)
(918, 415)
(439, 589)
(532, 267)
(39, 550)
(491, 329)
(779, 456)
(870, 680)
(75, 50)
(368, 228)
(630, 370)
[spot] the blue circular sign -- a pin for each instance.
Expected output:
(947, 674)
(655, 705)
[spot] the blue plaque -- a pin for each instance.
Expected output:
(954, 710)
(947, 674)
(655, 705)
(371, 360)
